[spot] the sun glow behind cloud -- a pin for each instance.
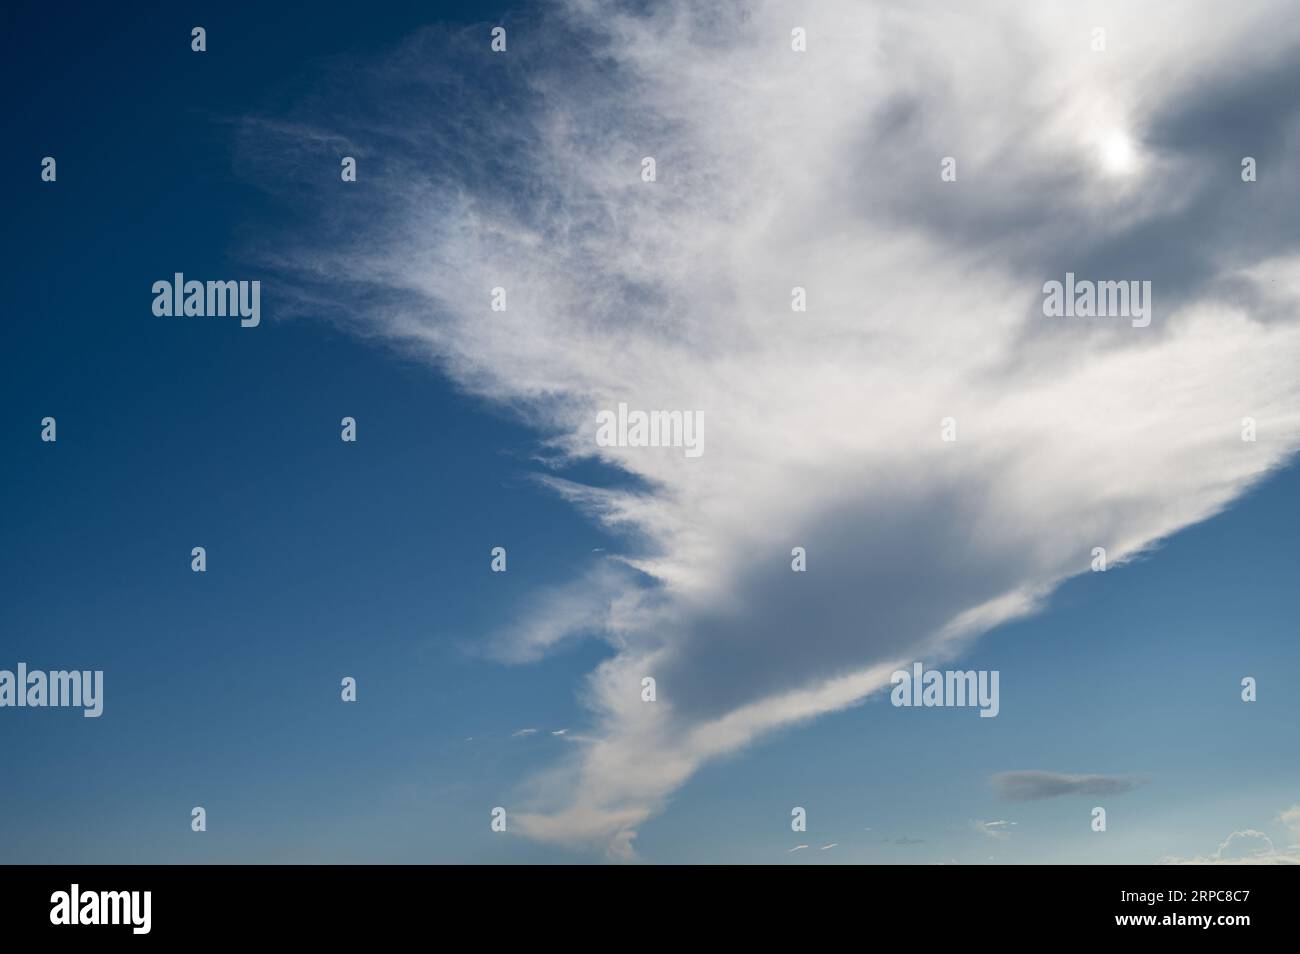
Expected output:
(1118, 154)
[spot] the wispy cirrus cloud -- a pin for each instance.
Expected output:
(821, 170)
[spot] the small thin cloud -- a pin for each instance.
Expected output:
(831, 845)
(905, 841)
(1024, 786)
(559, 731)
(994, 829)
(796, 848)
(523, 733)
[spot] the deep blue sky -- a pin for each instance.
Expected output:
(328, 559)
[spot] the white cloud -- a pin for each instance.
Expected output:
(1291, 818)
(1246, 847)
(994, 829)
(821, 170)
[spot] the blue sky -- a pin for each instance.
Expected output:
(371, 559)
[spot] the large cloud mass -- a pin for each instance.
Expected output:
(821, 169)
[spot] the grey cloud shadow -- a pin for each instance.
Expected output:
(1033, 785)
(1036, 220)
(883, 576)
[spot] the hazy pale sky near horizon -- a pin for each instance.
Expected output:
(775, 168)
